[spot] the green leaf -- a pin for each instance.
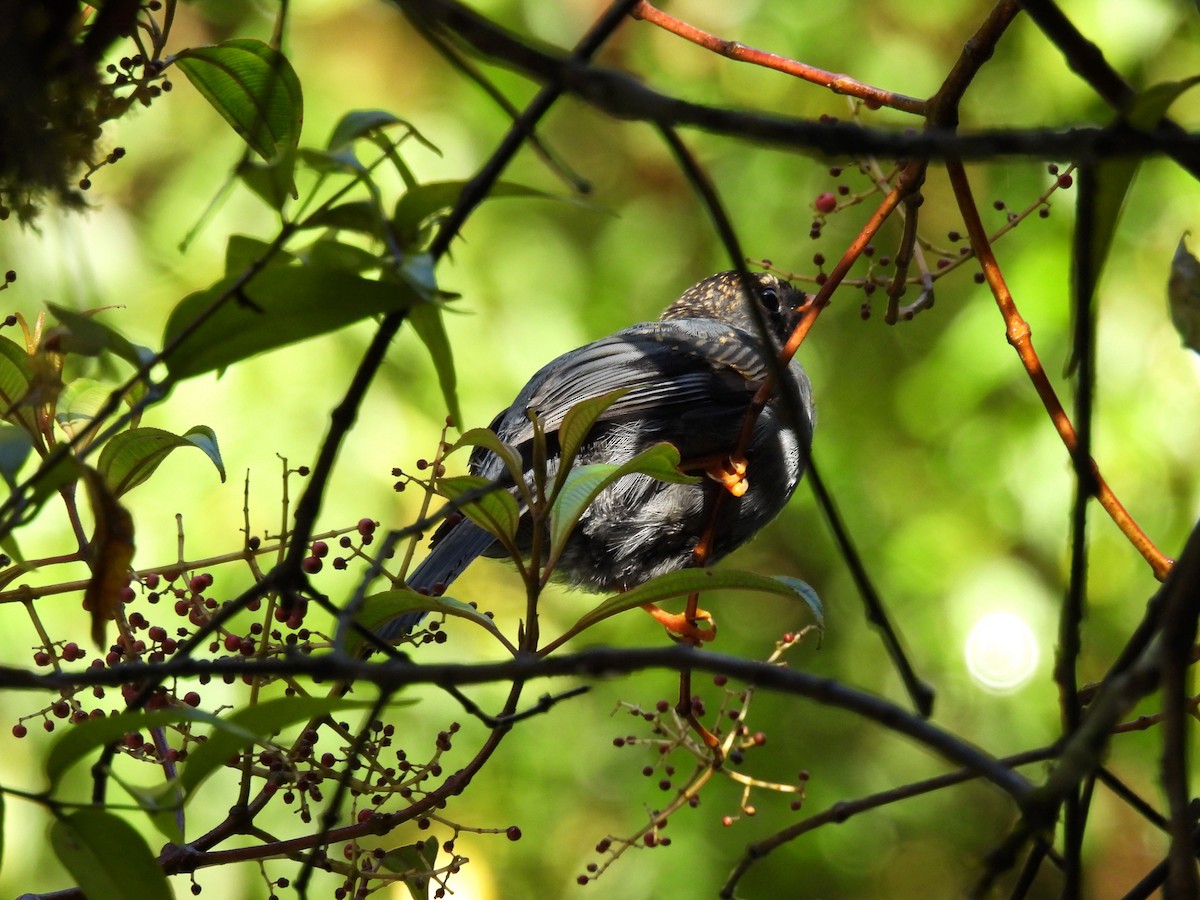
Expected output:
(162, 804)
(253, 87)
(332, 254)
(420, 204)
(418, 861)
(488, 440)
(584, 484)
(343, 161)
(359, 123)
(131, 457)
(86, 335)
(1183, 295)
(243, 251)
(361, 216)
(1113, 177)
(107, 857)
(16, 375)
(496, 512)
(274, 182)
(280, 306)
(426, 321)
(256, 724)
(574, 430)
(379, 609)
(15, 446)
(689, 581)
(79, 402)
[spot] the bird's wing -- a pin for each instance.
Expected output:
(694, 375)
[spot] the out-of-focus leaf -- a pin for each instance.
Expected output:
(162, 803)
(281, 305)
(131, 457)
(107, 858)
(361, 216)
(82, 333)
(584, 484)
(253, 87)
(426, 321)
(361, 122)
(689, 581)
(380, 609)
(1183, 295)
(1115, 176)
(110, 552)
(274, 181)
(243, 251)
(15, 446)
(419, 204)
(256, 724)
(16, 374)
(331, 254)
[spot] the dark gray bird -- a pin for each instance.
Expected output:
(690, 377)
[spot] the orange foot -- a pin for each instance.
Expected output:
(683, 629)
(730, 474)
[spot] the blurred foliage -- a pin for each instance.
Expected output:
(949, 475)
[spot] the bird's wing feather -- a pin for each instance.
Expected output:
(708, 371)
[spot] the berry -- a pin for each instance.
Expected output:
(825, 203)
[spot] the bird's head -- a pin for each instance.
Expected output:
(722, 297)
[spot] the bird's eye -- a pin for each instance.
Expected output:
(770, 299)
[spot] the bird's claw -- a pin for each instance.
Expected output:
(730, 474)
(682, 628)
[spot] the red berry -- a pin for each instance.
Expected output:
(513, 833)
(825, 203)
(19, 730)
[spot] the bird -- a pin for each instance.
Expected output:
(689, 379)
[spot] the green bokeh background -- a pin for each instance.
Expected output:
(948, 472)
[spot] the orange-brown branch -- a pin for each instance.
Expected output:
(1019, 337)
(839, 84)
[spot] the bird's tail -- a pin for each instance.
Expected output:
(451, 553)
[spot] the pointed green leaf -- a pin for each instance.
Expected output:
(380, 609)
(575, 427)
(243, 251)
(1183, 295)
(361, 216)
(420, 204)
(79, 402)
(15, 377)
(87, 335)
(690, 581)
(488, 440)
(1114, 177)
(274, 182)
(131, 457)
(107, 857)
(417, 861)
(280, 306)
(253, 87)
(496, 511)
(584, 484)
(15, 446)
(361, 122)
(162, 804)
(333, 254)
(426, 321)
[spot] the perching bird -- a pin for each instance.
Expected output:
(690, 378)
